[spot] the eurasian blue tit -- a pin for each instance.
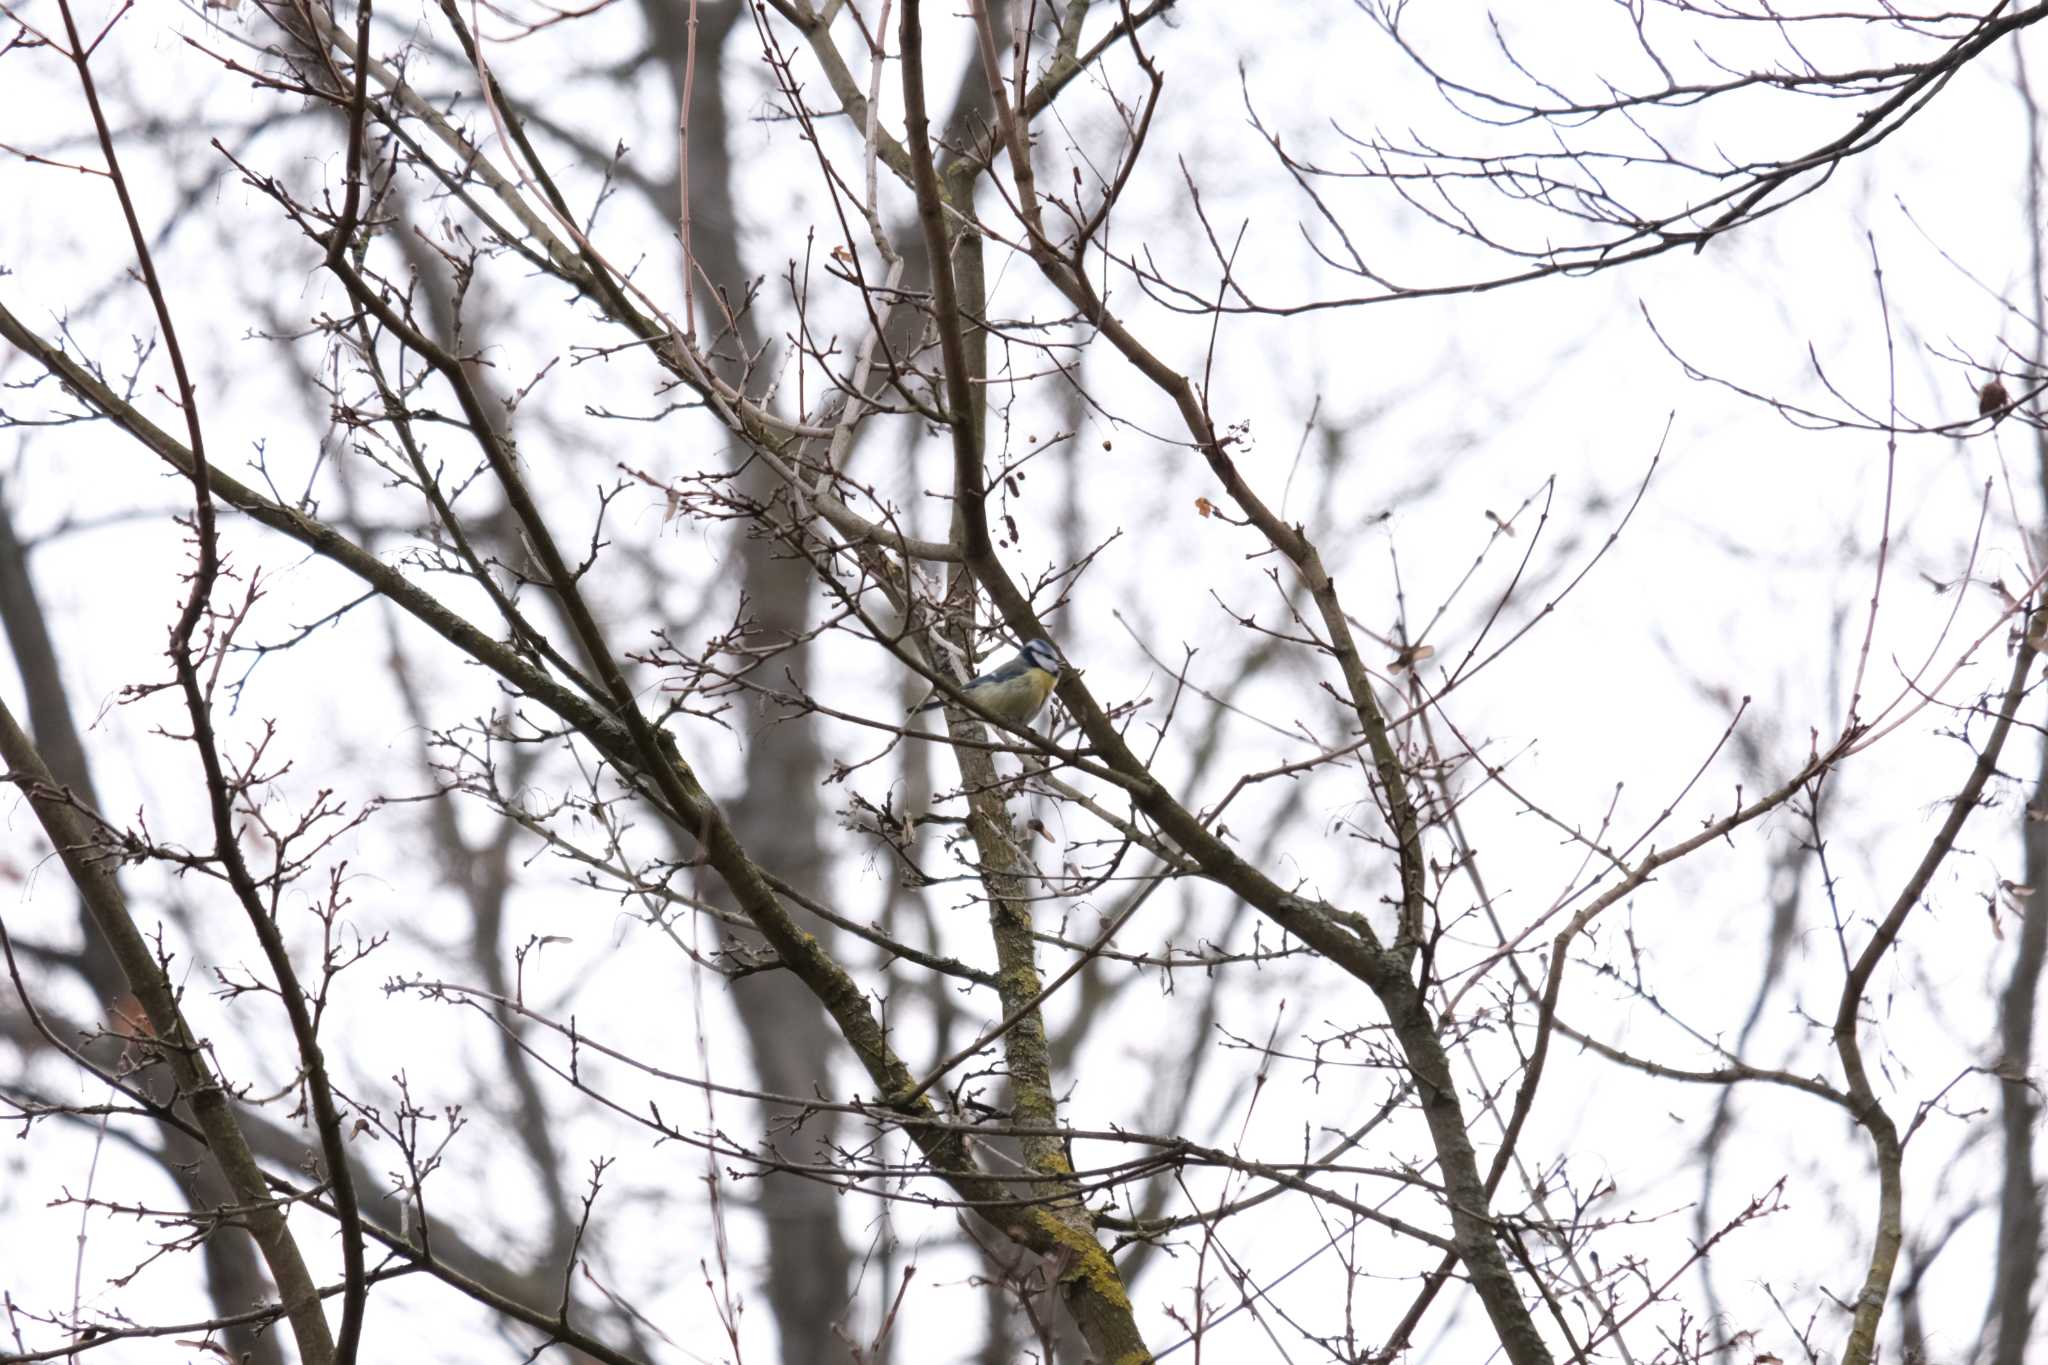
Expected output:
(1015, 692)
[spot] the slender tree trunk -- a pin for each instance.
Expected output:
(2010, 1314)
(776, 815)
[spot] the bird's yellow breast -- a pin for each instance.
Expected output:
(1017, 700)
(1040, 683)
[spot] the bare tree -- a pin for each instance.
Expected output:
(589, 429)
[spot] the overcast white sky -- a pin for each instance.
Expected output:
(1747, 570)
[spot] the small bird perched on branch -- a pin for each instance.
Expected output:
(1015, 692)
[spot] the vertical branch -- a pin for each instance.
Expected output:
(2010, 1312)
(234, 1274)
(1886, 1141)
(72, 833)
(683, 176)
(1090, 1283)
(775, 809)
(308, 1320)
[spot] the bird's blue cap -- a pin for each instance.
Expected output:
(1041, 654)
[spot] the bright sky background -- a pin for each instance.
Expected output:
(1747, 570)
